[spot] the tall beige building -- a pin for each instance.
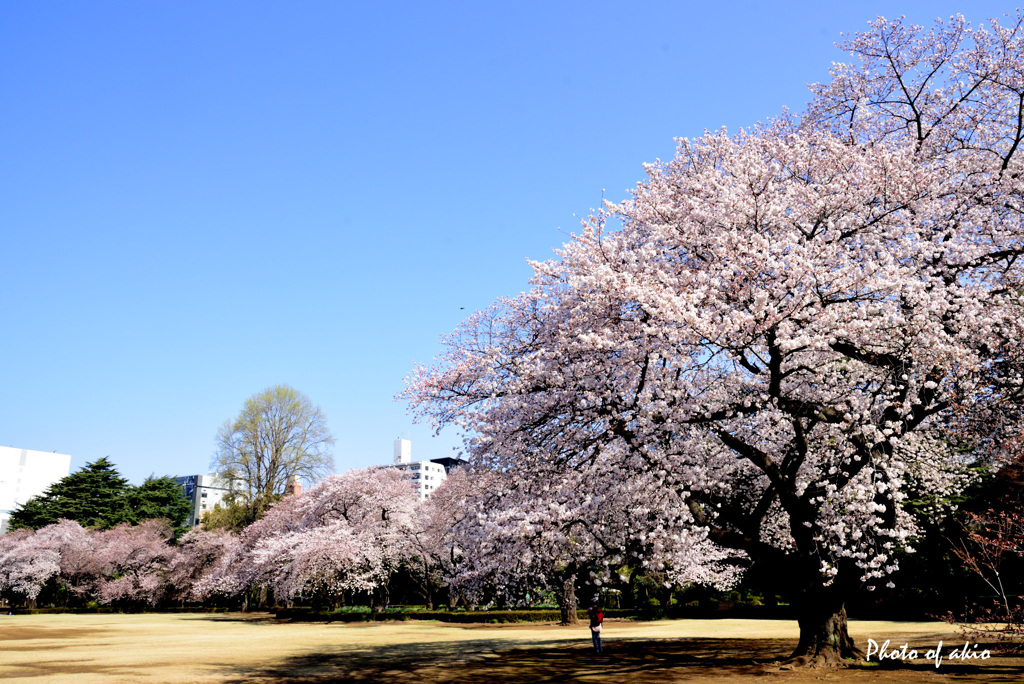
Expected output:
(25, 473)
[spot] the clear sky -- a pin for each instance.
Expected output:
(199, 200)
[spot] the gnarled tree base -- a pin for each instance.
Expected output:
(824, 640)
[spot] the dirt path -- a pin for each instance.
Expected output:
(201, 649)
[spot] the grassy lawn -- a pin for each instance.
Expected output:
(256, 648)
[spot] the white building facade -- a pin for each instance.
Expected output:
(205, 492)
(25, 473)
(426, 476)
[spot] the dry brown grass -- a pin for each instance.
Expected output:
(255, 648)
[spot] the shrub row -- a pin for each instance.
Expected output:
(494, 616)
(114, 610)
(363, 614)
(530, 615)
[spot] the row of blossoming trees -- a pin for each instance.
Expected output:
(780, 337)
(346, 535)
(481, 536)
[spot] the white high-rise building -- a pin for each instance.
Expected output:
(403, 451)
(427, 476)
(25, 473)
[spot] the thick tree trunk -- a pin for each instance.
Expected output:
(428, 586)
(567, 600)
(379, 599)
(821, 609)
(261, 597)
(824, 638)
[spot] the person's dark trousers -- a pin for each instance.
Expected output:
(596, 636)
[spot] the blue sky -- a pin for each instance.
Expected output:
(200, 200)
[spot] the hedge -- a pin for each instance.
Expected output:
(495, 616)
(115, 610)
(459, 616)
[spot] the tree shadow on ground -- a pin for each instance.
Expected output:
(625, 660)
(13, 638)
(251, 618)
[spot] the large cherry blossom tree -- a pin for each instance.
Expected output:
(787, 327)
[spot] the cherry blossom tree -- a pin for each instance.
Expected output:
(349, 533)
(197, 570)
(436, 557)
(75, 549)
(559, 530)
(132, 562)
(61, 553)
(25, 566)
(783, 327)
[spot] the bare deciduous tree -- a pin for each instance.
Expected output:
(278, 435)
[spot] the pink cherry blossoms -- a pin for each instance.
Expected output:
(784, 328)
(346, 535)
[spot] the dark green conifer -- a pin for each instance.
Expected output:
(95, 496)
(159, 497)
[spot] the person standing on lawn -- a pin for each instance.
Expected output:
(596, 625)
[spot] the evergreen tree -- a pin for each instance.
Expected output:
(159, 497)
(32, 514)
(95, 496)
